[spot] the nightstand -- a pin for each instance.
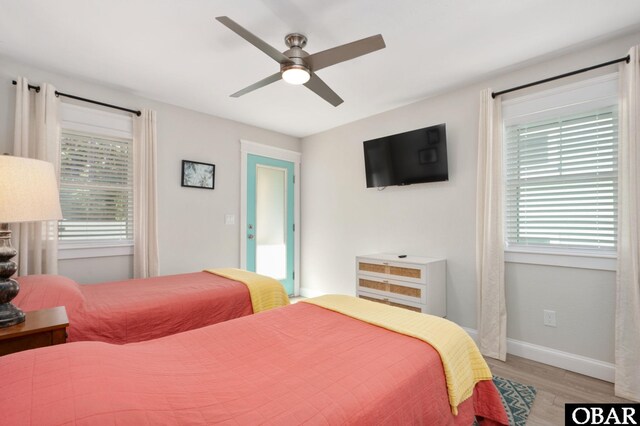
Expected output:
(41, 328)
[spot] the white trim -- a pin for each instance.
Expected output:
(311, 292)
(270, 151)
(246, 148)
(577, 363)
(83, 251)
(579, 260)
(96, 121)
(572, 98)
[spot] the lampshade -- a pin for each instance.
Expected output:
(28, 190)
(296, 74)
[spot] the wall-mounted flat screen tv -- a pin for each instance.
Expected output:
(411, 157)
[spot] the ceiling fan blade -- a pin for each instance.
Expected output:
(253, 39)
(265, 81)
(345, 52)
(321, 89)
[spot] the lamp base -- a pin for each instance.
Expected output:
(9, 314)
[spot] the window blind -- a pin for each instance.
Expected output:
(561, 182)
(96, 188)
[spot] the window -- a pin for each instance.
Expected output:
(96, 180)
(96, 189)
(561, 170)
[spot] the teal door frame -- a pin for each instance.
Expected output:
(272, 157)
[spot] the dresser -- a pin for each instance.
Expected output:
(413, 282)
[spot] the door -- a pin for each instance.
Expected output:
(270, 227)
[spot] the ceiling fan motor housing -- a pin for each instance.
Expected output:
(295, 42)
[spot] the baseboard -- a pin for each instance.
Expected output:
(311, 292)
(568, 361)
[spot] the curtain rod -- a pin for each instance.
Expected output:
(535, 83)
(91, 101)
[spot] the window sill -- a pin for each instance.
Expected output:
(85, 250)
(578, 260)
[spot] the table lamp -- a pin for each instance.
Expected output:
(28, 193)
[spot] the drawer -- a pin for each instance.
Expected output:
(391, 301)
(401, 271)
(393, 288)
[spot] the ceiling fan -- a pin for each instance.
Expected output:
(297, 66)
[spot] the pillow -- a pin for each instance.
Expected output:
(48, 291)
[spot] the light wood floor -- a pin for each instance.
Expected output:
(555, 387)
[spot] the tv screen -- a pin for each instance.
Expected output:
(411, 157)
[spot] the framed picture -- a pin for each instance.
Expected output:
(198, 175)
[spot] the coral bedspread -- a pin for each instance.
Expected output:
(293, 365)
(137, 310)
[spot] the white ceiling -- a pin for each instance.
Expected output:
(174, 51)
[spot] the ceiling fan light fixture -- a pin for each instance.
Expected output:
(296, 64)
(296, 74)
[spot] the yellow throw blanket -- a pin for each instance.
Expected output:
(462, 361)
(266, 293)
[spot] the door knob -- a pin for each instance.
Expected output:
(250, 236)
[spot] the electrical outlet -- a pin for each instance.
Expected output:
(550, 318)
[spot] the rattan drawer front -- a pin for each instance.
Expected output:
(391, 303)
(388, 287)
(400, 271)
(405, 272)
(372, 267)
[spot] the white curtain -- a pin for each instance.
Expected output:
(37, 135)
(145, 198)
(492, 310)
(627, 350)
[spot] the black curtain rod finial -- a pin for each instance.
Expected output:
(31, 87)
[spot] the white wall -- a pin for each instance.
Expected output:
(192, 232)
(342, 218)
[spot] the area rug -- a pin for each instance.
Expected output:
(516, 398)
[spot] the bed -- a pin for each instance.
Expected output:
(143, 309)
(300, 364)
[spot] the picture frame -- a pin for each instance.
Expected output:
(196, 174)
